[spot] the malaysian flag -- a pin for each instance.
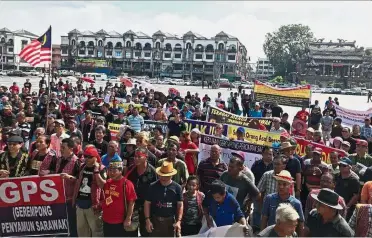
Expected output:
(39, 50)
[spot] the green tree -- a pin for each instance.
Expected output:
(286, 46)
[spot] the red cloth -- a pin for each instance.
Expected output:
(113, 205)
(302, 115)
(14, 89)
(189, 157)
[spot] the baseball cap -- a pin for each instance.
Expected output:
(345, 161)
(318, 151)
(92, 152)
(346, 143)
(362, 142)
(60, 121)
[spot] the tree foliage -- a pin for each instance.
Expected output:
(286, 46)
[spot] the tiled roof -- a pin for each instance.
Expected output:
(4, 29)
(103, 32)
(75, 31)
(24, 32)
(336, 57)
(130, 32)
(114, 33)
(88, 33)
(159, 33)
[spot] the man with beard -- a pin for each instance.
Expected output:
(13, 162)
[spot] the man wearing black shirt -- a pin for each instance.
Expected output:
(176, 126)
(99, 142)
(27, 84)
(245, 105)
(276, 110)
(109, 118)
(164, 204)
(284, 122)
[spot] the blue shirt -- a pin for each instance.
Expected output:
(187, 114)
(254, 113)
(136, 122)
(271, 203)
(105, 160)
(226, 213)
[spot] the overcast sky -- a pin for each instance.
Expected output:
(249, 21)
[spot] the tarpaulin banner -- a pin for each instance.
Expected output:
(256, 137)
(352, 117)
(114, 130)
(217, 115)
(301, 147)
(204, 127)
(33, 206)
(125, 106)
(250, 151)
(295, 97)
(152, 124)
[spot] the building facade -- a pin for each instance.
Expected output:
(11, 44)
(190, 56)
(56, 56)
(264, 69)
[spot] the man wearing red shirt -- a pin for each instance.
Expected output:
(14, 89)
(303, 114)
(118, 205)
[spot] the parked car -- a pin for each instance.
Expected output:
(18, 73)
(3, 73)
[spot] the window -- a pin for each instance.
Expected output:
(90, 52)
(10, 50)
(266, 67)
(100, 43)
(209, 57)
(260, 67)
(109, 53)
(73, 42)
(81, 52)
(129, 44)
(231, 57)
(198, 56)
(147, 54)
(137, 54)
(167, 55)
(118, 53)
(157, 45)
(177, 56)
(64, 51)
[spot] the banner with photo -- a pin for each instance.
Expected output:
(301, 147)
(217, 115)
(250, 151)
(33, 206)
(351, 117)
(294, 97)
(256, 137)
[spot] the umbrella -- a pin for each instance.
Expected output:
(173, 91)
(126, 82)
(88, 80)
(160, 97)
(72, 78)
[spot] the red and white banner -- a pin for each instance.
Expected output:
(33, 206)
(301, 147)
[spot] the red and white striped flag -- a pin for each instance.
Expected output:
(39, 50)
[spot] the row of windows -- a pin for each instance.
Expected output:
(265, 67)
(168, 46)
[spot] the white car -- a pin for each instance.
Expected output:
(3, 73)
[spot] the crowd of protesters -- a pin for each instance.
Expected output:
(150, 183)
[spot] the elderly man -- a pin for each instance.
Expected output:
(325, 221)
(283, 195)
(13, 162)
(135, 121)
(276, 126)
(211, 168)
(56, 138)
(361, 155)
(112, 153)
(286, 218)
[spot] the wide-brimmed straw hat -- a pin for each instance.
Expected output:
(166, 169)
(286, 145)
(131, 141)
(328, 198)
(284, 176)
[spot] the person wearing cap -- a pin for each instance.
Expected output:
(67, 166)
(286, 220)
(118, 203)
(179, 165)
(345, 146)
(121, 117)
(73, 130)
(347, 185)
(239, 184)
(145, 113)
(313, 169)
(309, 134)
(276, 127)
(163, 207)
(185, 112)
(142, 174)
(99, 142)
(283, 195)
(13, 161)
(128, 152)
(56, 138)
(105, 109)
(256, 111)
(88, 195)
(221, 206)
(317, 138)
(361, 156)
(325, 220)
(326, 181)
(240, 134)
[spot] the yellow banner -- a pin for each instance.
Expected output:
(255, 136)
(298, 92)
(114, 127)
(126, 105)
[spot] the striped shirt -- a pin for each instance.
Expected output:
(136, 122)
(268, 183)
(208, 173)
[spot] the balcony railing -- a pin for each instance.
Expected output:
(147, 48)
(177, 49)
(199, 50)
(209, 50)
(167, 49)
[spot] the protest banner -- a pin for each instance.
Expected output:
(217, 115)
(250, 151)
(152, 124)
(33, 206)
(256, 137)
(125, 106)
(352, 117)
(302, 143)
(204, 127)
(114, 130)
(294, 97)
